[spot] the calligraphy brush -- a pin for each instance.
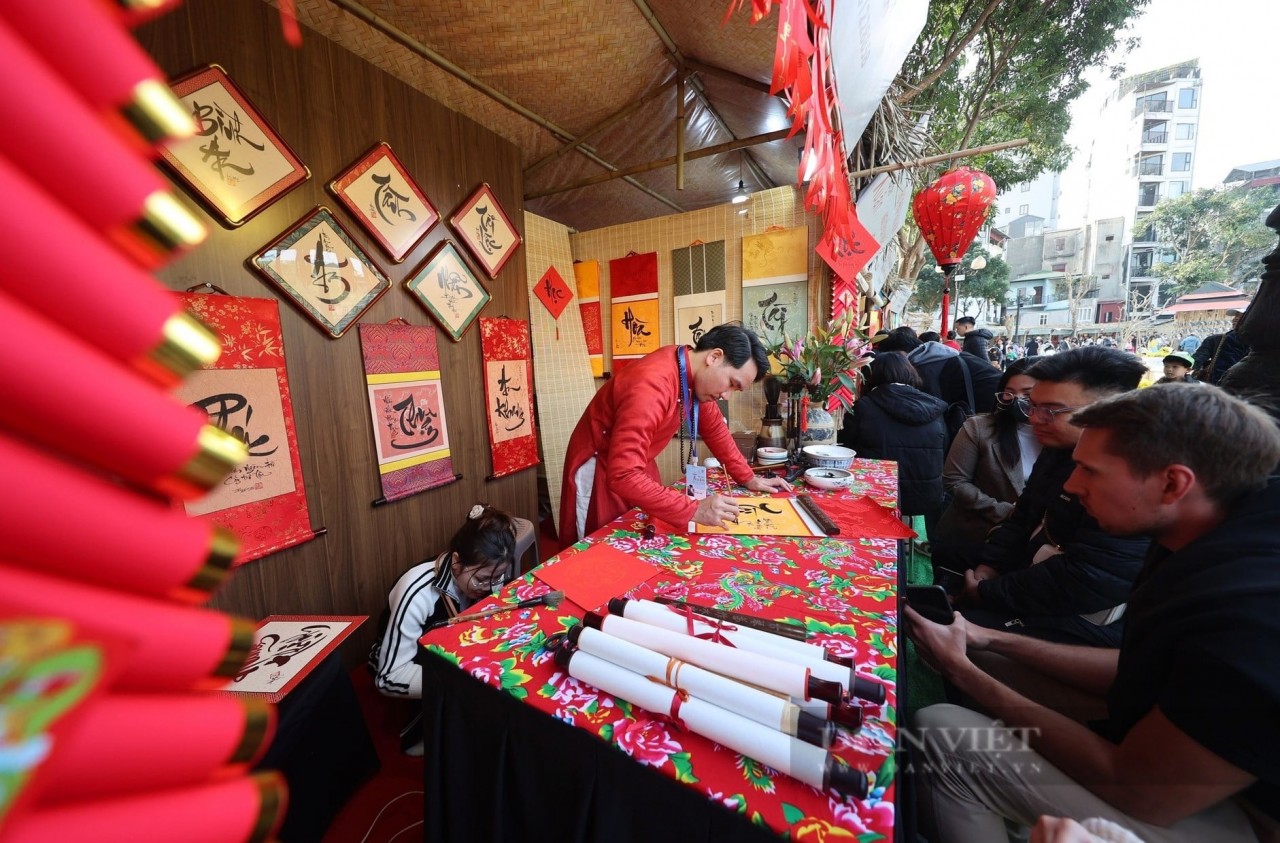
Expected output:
(551, 600)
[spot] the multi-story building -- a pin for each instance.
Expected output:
(1143, 152)
(1028, 208)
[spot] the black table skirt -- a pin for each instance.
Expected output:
(498, 769)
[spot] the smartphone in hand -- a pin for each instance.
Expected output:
(931, 601)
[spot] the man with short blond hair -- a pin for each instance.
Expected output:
(1187, 752)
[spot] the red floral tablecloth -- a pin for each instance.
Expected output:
(841, 589)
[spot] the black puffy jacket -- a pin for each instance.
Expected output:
(900, 423)
(940, 370)
(977, 342)
(1094, 570)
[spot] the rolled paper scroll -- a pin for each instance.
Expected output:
(247, 809)
(753, 668)
(100, 296)
(120, 539)
(751, 640)
(57, 389)
(131, 743)
(99, 60)
(56, 139)
(174, 647)
(764, 708)
(808, 763)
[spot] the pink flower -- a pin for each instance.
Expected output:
(484, 669)
(817, 376)
(837, 645)
(525, 590)
(647, 741)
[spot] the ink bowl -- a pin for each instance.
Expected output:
(828, 479)
(770, 456)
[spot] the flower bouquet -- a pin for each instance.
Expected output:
(826, 363)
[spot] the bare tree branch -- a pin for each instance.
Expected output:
(951, 56)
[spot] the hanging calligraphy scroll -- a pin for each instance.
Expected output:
(486, 230)
(697, 276)
(633, 284)
(508, 394)
(235, 163)
(406, 403)
(775, 286)
(445, 286)
(246, 392)
(587, 275)
(554, 294)
(322, 271)
(380, 193)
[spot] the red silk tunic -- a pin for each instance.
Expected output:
(626, 426)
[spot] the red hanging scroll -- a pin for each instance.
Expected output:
(587, 274)
(508, 394)
(634, 307)
(402, 371)
(264, 501)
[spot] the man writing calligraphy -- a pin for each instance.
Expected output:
(611, 464)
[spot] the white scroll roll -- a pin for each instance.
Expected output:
(754, 668)
(762, 707)
(782, 752)
(755, 640)
(752, 640)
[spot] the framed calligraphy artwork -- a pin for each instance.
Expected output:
(508, 393)
(286, 648)
(235, 164)
(697, 288)
(406, 403)
(445, 286)
(246, 393)
(322, 271)
(486, 230)
(380, 193)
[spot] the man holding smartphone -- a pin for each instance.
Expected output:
(1187, 752)
(1049, 570)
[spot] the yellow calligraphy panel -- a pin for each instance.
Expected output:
(635, 327)
(766, 516)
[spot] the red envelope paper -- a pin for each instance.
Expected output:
(594, 577)
(862, 517)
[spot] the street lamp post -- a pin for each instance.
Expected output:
(1017, 317)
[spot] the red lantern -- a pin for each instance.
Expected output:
(949, 212)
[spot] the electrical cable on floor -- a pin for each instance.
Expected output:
(384, 809)
(403, 830)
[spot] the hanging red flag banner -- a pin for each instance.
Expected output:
(508, 394)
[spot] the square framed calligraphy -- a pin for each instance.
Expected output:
(445, 286)
(286, 648)
(235, 164)
(322, 271)
(486, 230)
(380, 193)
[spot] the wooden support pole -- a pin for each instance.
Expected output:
(937, 159)
(730, 146)
(680, 120)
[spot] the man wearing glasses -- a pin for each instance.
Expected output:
(1049, 570)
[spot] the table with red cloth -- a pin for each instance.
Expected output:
(842, 589)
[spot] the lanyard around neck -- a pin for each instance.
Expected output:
(688, 409)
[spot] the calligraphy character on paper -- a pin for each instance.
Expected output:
(412, 424)
(486, 229)
(387, 200)
(634, 327)
(326, 276)
(212, 120)
(505, 408)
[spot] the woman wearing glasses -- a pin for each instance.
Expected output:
(989, 462)
(478, 561)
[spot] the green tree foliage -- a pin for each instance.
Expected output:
(989, 284)
(988, 71)
(1216, 235)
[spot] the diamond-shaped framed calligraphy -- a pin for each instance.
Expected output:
(486, 230)
(235, 164)
(380, 193)
(446, 287)
(317, 265)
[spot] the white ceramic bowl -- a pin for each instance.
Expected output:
(768, 456)
(828, 478)
(829, 456)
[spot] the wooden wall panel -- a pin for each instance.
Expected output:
(331, 106)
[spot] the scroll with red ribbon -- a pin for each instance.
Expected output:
(406, 402)
(508, 393)
(264, 501)
(633, 284)
(587, 274)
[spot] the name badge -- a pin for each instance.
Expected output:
(695, 481)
